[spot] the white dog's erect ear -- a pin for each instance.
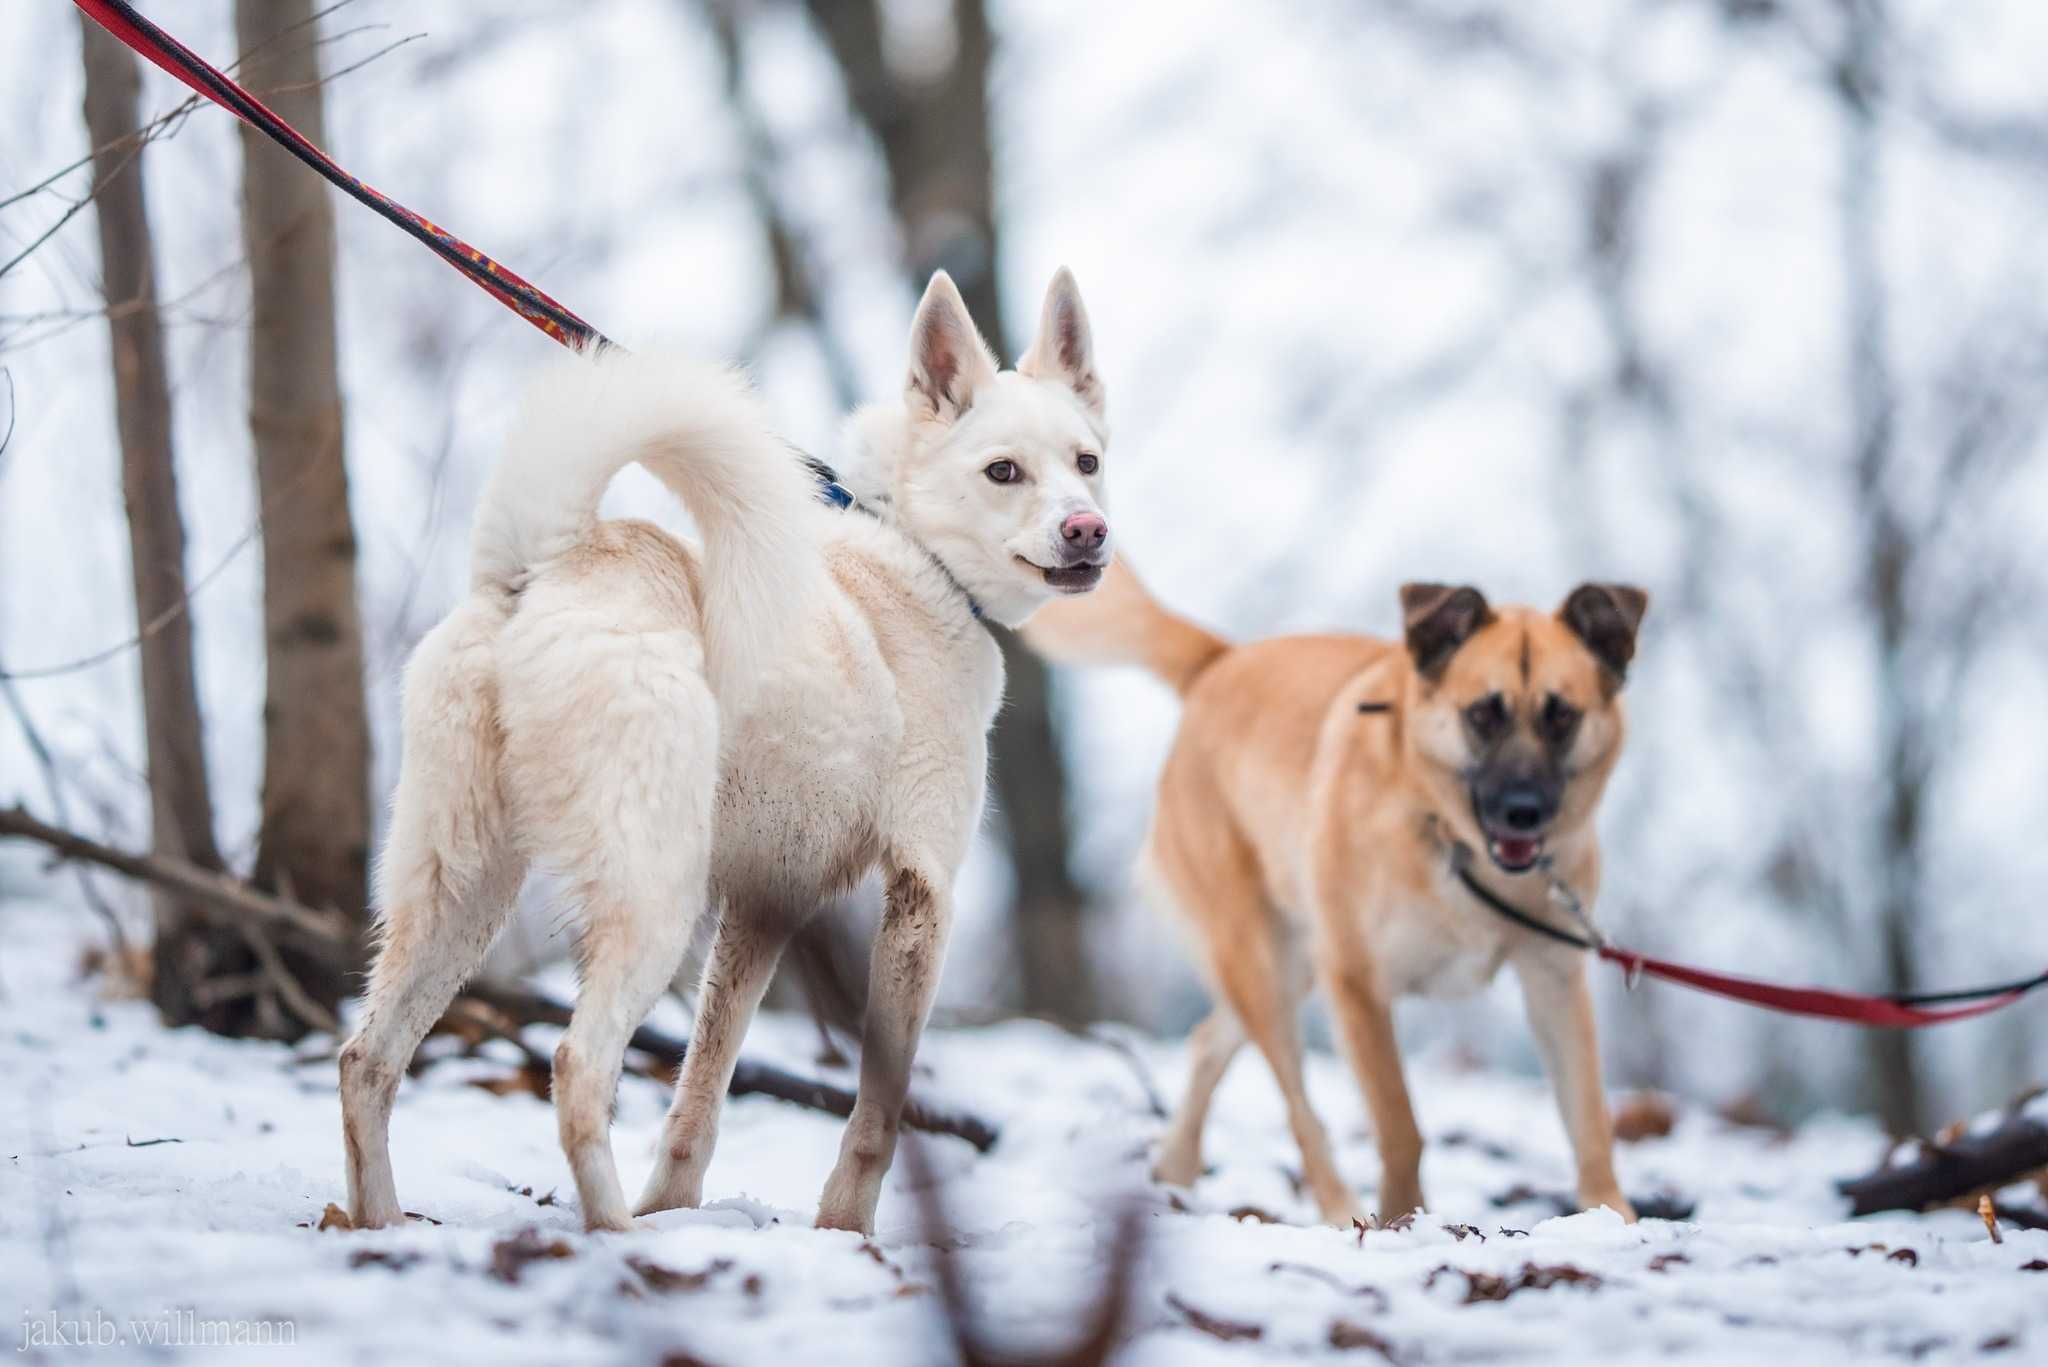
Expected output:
(1064, 349)
(948, 359)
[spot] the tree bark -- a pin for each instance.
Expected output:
(1889, 557)
(934, 137)
(315, 835)
(187, 949)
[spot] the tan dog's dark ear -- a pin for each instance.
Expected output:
(1605, 617)
(948, 359)
(1437, 619)
(1065, 347)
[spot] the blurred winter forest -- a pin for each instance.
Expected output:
(1744, 301)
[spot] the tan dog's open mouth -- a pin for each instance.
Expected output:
(1515, 853)
(1067, 578)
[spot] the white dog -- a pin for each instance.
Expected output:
(753, 726)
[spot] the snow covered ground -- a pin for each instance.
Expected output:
(156, 1182)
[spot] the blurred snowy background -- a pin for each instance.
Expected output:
(1741, 300)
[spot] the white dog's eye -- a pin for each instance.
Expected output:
(1003, 471)
(1088, 462)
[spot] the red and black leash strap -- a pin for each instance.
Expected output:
(1906, 1011)
(119, 18)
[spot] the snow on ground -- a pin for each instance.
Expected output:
(155, 1182)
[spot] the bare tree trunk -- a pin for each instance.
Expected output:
(188, 951)
(314, 842)
(1888, 554)
(933, 132)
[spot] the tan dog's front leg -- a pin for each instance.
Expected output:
(1367, 1027)
(1560, 1006)
(910, 946)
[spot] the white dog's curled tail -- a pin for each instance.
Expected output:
(701, 431)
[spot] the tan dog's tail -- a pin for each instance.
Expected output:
(1122, 623)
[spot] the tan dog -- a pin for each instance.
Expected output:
(1309, 817)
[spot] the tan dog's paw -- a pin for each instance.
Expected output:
(1176, 1169)
(1399, 1198)
(1342, 1214)
(1610, 1198)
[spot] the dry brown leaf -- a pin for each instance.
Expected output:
(1990, 1219)
(667, 1280)
(1644, 1115)
(1486, 1286)
(334, 1217)
(509, 1257)
(1347, 1335)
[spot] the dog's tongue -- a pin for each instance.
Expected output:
(1515, 852)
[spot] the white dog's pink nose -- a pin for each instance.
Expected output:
(1084, 532)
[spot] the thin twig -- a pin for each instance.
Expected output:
(53, 781)
(161, 127)
(177, 608)
(13, 409)
(286, 984)
(340, 72)
(184, 107)
(1105, 1036)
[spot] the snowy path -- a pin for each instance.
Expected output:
(119, 1235)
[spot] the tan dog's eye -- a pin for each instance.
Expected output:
(1559, 719)
(1088, 462)
(1003, 471)
(1487, 717)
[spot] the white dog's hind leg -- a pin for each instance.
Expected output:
(629, 952)
(613, 759)
(742, 962)
(910, 947)
(445, 885)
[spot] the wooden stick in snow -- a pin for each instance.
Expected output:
(220, 891)
(1927, 1173)
(232, 898)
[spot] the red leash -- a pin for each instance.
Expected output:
(1899, 1013)
(119, 18)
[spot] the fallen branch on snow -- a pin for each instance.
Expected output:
(1960, 1164)
(748, 1078)
(325, 932)
(219, 891)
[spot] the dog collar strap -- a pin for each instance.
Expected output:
(1907, 1011)
(831, 491)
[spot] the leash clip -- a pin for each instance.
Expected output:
(1567, 901)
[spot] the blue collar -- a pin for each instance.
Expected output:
(831, 491)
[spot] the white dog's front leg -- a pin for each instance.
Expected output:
(1560, 1006)
(910, 947)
